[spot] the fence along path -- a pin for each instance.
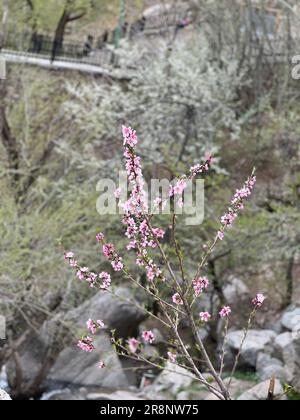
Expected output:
(39, 49)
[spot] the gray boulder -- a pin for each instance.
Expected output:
(63, 395)
(256, 342)
(115, 396)
(56, 344)
(267, 367)
(169, 383)
(119, 313)
(235, 291)
(287, 349)
(75, 367)
(260, 392)
(291, 320)
(81, 369)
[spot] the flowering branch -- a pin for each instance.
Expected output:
(257, 302)
(176, 299)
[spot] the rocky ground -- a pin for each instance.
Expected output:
(267, 353)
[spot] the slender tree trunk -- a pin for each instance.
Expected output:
(59, 34)
(66, 18)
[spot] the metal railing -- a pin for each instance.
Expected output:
(34, 44)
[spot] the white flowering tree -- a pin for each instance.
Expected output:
(180, 101)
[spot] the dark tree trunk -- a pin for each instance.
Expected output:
(66, 18)
(59, 34)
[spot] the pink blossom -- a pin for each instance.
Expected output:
(244, 192)
(158, 233)
(91, 326)
(148, 336)
(221, 235)
(133, 345)
(237, 203)
(101, 365)
(200, 284)
(130, 137)
(108, 250)
(100, 237)
(150, 273)
(177, 299)
(172, 357)
(225, 312)
(106, 280)
(131, 245)
(73, 263)
(160, 203)
(101, 323)
(229, 218)
(153, 271)
(91, 279)
(94, 326)
(258, 300)
(69, 255)
(200, 168)
(82, 273)
(204, 316)
(180, 187)
(117, 265)
(86, 345)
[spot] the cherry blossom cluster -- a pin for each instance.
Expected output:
(69, 256)
(110, 253)
(204, 316)
(181, 184)
(258, 300)
(177, 299)
(178, 188)
(102, 280)
(237, 204)
(130, 137)
(148, 336)
(86, 344)
(201, 167)
(225, 312)
(106, 280)
(133, 345)
(200, 285)
(138, 230)
(94, 326)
